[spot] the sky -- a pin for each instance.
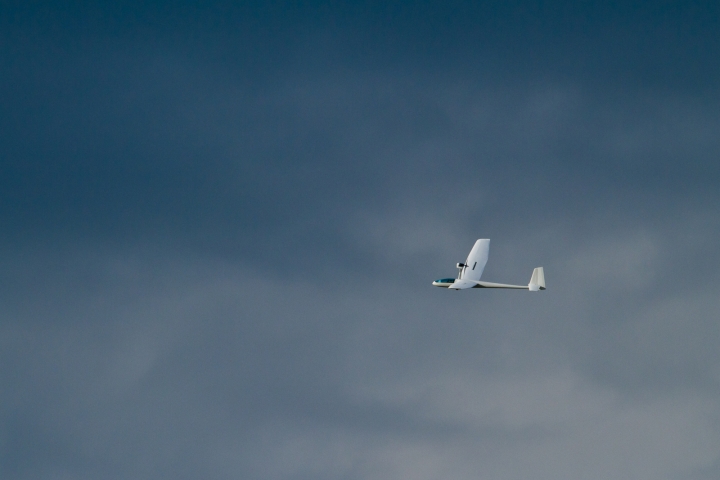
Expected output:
(221, 221)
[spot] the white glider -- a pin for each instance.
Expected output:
(471, 270)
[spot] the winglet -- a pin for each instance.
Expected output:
(537, 281)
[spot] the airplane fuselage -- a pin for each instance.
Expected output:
(448, 282)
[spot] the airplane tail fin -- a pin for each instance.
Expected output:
(537, 281)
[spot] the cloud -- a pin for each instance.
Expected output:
(218, 244)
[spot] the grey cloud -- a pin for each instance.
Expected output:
(187, 367)
(218, 243)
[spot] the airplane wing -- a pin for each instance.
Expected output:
(476, 260)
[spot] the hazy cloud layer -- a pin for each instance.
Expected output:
(220, 225)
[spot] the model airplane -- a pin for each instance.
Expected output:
(471, 270)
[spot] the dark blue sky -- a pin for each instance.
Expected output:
(220, 223)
